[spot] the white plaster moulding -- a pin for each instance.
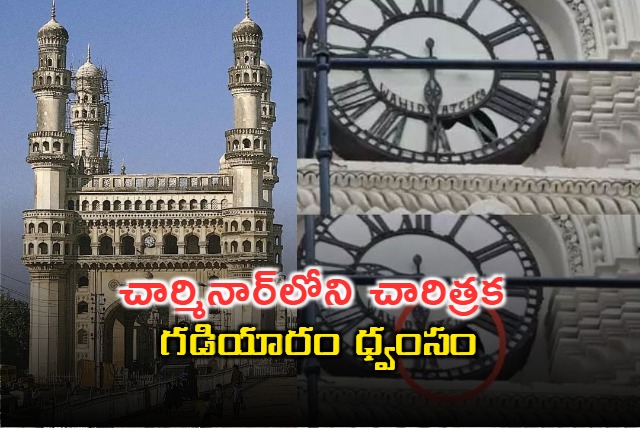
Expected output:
(375, 187)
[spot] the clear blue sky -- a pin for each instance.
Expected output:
(170, 104)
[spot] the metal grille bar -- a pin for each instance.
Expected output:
(573, 282)
(343, 63)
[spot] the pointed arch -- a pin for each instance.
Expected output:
(84, 245)
(105, 246)
(192, 244)
(127, 246)
(170, 244)
(213, 244)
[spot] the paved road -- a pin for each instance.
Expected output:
(270, 402)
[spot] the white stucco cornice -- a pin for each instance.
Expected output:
(373, 187)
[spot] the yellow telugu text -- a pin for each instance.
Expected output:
(302, 342)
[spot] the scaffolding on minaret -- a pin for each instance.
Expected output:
(103, 140)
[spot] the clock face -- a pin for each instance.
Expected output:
(438, 245)
(149, 242)
(444, 116)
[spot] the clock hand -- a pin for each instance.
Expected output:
(433, 97)
(387, 52)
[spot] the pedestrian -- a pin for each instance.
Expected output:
(238, 400)
(236, 375)
(178, 395)
(219, 400)
(202, 406)
(168, 397)
(192, 379)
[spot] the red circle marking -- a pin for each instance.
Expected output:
(502, 353)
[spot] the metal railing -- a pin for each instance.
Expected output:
(117, 404)
(313, 125)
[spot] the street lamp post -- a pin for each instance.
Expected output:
(154, 321)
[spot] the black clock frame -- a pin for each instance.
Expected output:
(520, 336)
(366, 146)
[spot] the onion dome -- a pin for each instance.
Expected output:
(263, 64)
(53, 29)
(88, 70)
(247, 26)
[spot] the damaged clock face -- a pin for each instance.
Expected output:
(443, 116)
(437, 245)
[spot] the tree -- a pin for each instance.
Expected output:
(14, 332)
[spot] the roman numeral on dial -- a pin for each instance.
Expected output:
(355, 98)
(389, 126)
(389, 8)
(520, 75)
(470, 10)
(328, 238)
(505, 34)
(492, 251)
(456, 227)
(376, 224)
(511, 104)
(343, 22)
(416, 222)
(433, 6)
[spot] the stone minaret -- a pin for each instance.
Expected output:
(47, 225)
(87, 117)
(248, 144)
(50, 146)
(268, 119)
(248, 157)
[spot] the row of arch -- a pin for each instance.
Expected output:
(49, 80)
(248, 59)
(169, 245)
(234, 226)
(160, 205)
(48, 62)
(246, 144)
(43, 249)
(43, 227)
(86, 114)
(247, 77)
(85, 99)
(35, 147)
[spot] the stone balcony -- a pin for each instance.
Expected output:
(169, 183)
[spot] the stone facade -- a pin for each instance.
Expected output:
(90, 231)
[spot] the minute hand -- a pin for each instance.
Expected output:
(387, 52)
(433, 97)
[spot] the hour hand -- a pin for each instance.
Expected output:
(387, 52)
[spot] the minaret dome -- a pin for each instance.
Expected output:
(53, 29)
(247, 27)
(266, 66)
(88, 70)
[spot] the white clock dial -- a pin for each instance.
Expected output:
(445, 116)
(149, 242)
(437, 245)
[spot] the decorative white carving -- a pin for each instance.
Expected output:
(571, 242)
(360, 187)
